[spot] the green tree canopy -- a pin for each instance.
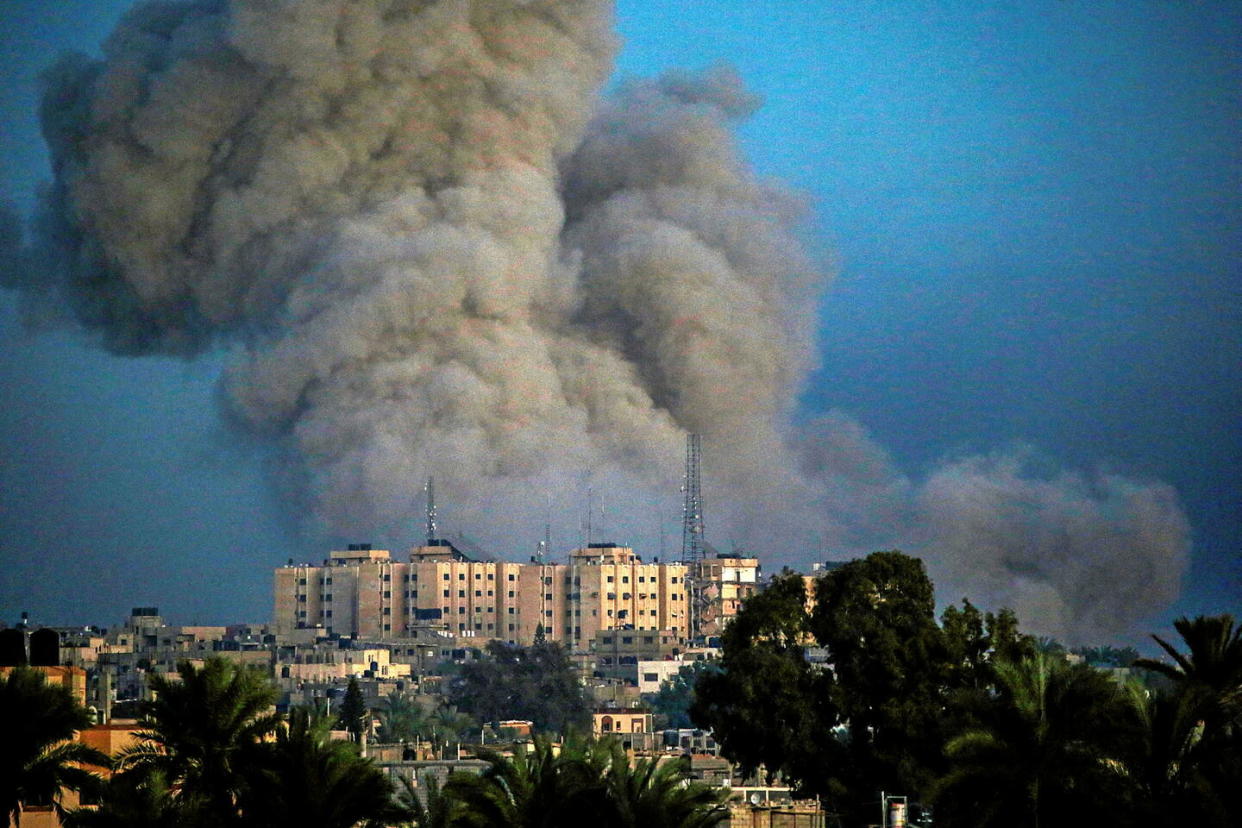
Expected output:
(537, 683)
(768, 706)
(876, 618)
(353, 713)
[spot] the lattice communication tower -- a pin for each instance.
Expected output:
(692, 548)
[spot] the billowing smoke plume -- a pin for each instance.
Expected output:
(431, 249)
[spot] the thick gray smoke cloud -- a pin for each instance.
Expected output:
(430, 249)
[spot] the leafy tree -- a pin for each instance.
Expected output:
(677, 693)
(876, 618)
(537, 683)
(766, 705)
(353, 712)
(974, 641)
(38, 759)
(303, 779)
(201, 734)
(1045, 752)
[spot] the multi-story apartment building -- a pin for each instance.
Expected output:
(719, 586)
(364, 592)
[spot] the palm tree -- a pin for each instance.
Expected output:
(403, 719)
(655, 794)
(136, 799)
(1213, 662)
(433, 810)
(1168, 762)
(202, 732)
(1043, 752)
(448, 724)
(304, 779)
(542, 788)
(38, 759)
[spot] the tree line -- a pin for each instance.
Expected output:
(983, 724)
(212, 751)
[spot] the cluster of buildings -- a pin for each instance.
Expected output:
(364, 593)
(393, 623)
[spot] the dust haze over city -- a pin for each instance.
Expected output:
(962, 283)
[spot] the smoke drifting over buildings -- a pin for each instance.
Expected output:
(430, 246)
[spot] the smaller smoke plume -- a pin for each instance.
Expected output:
(1073, 555)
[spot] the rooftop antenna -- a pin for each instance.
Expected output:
(692, 510)
(590, 493)
(660, 527)
(431, 510)
(547, 530)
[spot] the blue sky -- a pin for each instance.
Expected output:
(1033, 210)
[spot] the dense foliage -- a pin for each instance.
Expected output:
(867, 692)
(535, 683)
(353, 713)
(213, 752)
(581, 783)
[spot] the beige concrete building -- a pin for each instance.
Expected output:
(364, 592)
(611, 721)
(720, 585)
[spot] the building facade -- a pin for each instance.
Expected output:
(363, 592)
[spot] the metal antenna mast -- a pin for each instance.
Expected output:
(590, 497)
(692, 511)
(431, 509)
